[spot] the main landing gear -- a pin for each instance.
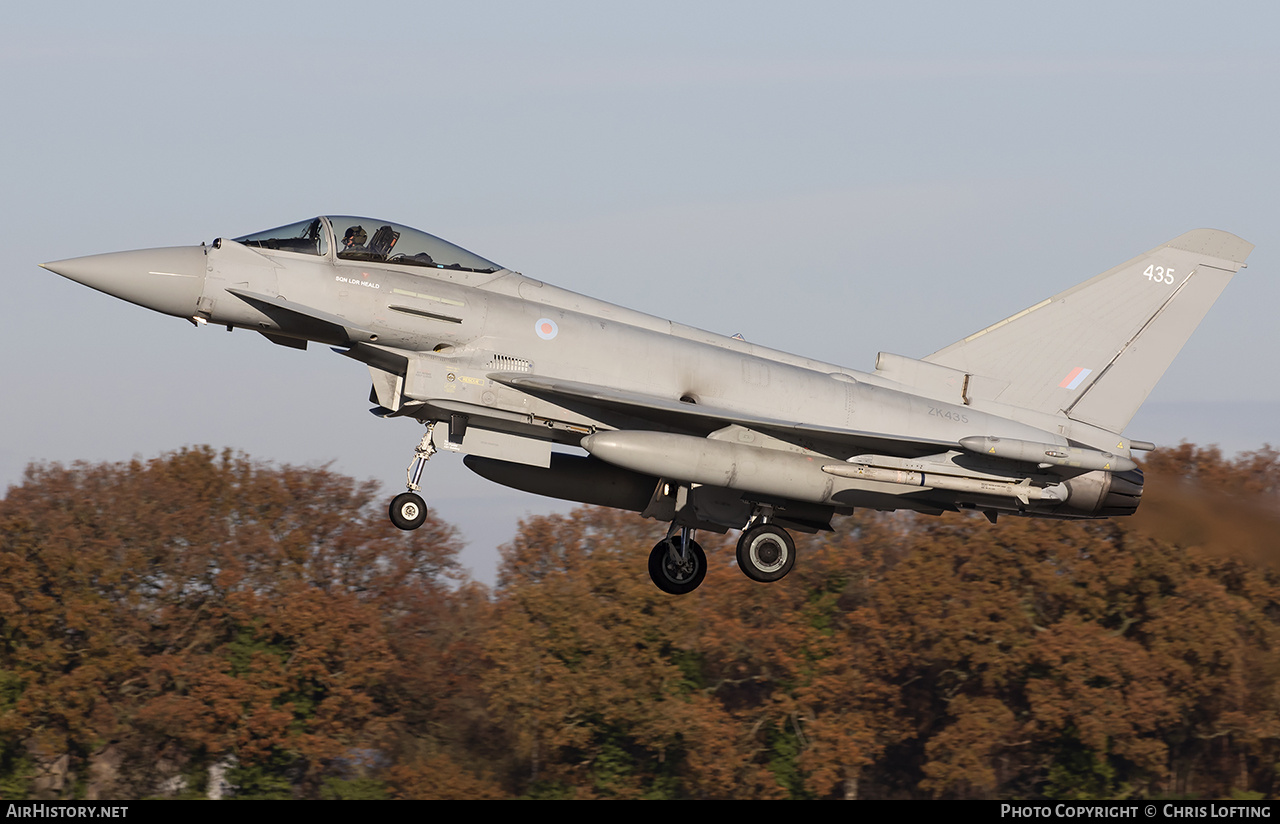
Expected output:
(677, 564)
(766, 553)
(408, 510)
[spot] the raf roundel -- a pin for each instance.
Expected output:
(546, 328)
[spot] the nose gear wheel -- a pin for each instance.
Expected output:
(408, 510)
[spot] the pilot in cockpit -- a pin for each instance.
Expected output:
(354, 239)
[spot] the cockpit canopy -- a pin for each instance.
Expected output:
(367, 239)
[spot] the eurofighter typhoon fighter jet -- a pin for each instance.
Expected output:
(691, 428)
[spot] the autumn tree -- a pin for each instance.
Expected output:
(1038, 658)
(162, 616)
(162, 620)
(597, 672)
(785, 660)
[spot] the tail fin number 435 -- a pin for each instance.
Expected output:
(1159, 274)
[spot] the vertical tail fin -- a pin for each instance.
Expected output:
(1095, 351)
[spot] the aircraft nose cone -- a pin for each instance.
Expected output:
(166, 280)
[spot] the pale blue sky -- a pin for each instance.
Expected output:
(832, 179)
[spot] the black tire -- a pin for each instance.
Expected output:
(408, 510)
(676, 578)
(766, 553)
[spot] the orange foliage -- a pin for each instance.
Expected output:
(165, 616)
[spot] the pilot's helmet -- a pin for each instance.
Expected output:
(355, 236)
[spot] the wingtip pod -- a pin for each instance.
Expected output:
(1213, 243)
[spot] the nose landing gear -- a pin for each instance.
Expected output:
(408, 510)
